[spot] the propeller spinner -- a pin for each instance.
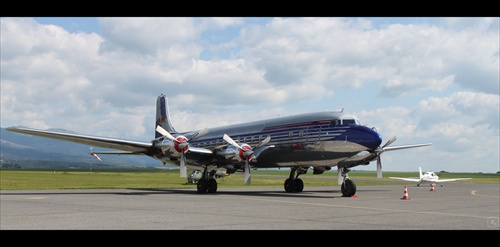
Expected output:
(181, 145)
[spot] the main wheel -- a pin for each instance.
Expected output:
(212, 185)
(299, 185)
(289, 185)
(202, 186)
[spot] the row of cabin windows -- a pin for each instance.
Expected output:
(248, 139)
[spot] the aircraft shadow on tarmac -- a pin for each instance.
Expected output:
(266, 193)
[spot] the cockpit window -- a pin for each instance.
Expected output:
(348, 121)
(352, 120)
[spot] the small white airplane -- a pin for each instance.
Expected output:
(429, 177)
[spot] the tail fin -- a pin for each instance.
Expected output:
(420, 172)
(163, 116)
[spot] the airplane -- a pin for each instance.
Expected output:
(429, 177)
(316, 141)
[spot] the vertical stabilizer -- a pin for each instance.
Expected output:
(163, 116)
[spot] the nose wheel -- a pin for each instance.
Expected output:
(348, 188)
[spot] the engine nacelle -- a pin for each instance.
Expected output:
(171, 148)
(233, 154)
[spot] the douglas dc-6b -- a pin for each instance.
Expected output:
(317, 141)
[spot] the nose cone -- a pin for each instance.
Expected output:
(376, 140)
(368, 137)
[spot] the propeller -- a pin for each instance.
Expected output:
(181, 145)
(379, 151)
(246, 153)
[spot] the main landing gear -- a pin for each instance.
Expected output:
(293, 183)
(207, 182)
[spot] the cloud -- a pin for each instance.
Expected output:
(421, 79)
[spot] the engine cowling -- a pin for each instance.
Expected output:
(170, 148)
(234, 154)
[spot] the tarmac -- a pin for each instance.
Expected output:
(455, 206)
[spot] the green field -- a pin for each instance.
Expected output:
(153, 178)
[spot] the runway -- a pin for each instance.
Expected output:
(455, 206)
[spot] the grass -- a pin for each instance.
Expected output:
(152, 178)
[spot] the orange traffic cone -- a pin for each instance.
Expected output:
(405, 196)
(432, 187)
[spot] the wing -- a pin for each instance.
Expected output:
(407, 179)
(451, 180)
(406, 146)
(131, 147)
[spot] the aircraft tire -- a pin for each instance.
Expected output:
(299, 185)
(212, 185)
(289, 185)
(348, 188)
(202, 186)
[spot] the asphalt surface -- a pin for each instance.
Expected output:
(455, 206)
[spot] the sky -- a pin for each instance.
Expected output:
(424, 80)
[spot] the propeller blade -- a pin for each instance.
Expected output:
(379, 167)
(199, 134)
(165, 133)
(230, 141)
(262, 143)
(247, 172)
(182, 145)
(393, 139)
(183, 167)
